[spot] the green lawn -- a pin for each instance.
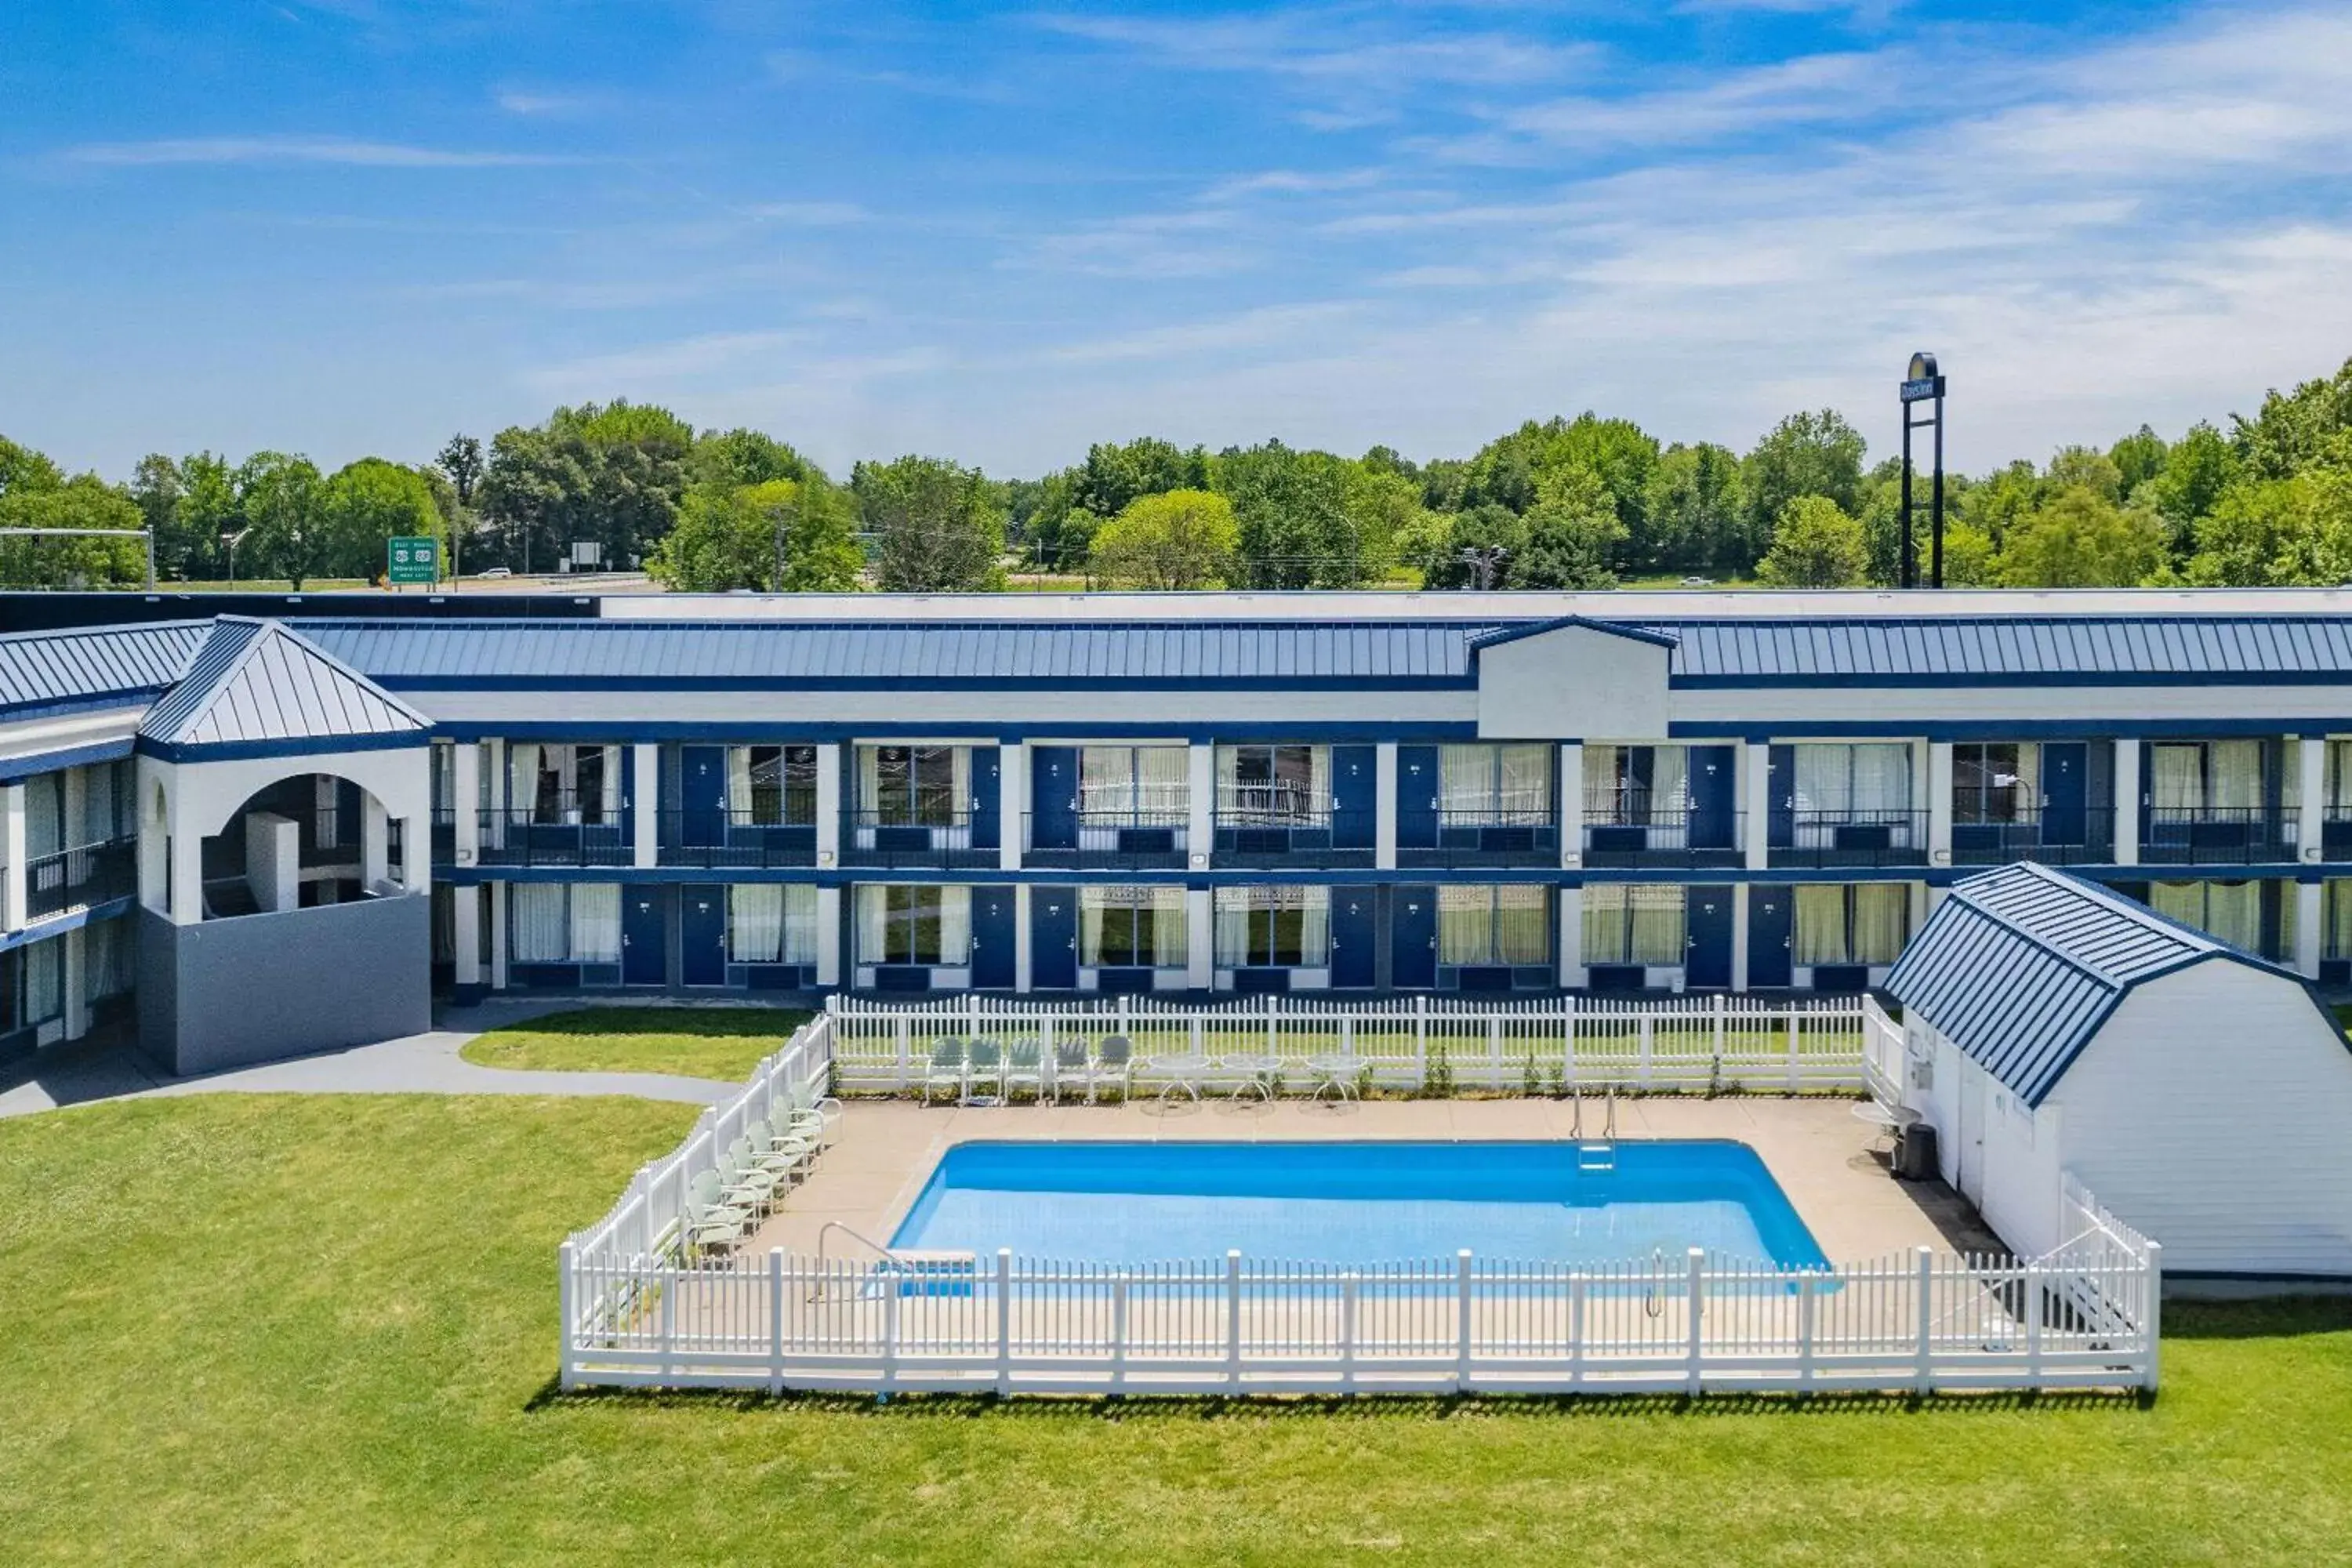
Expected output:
(701, 1042)
(263, 1329)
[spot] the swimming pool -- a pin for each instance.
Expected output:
(1356, 1203)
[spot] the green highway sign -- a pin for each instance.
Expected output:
(411, 561)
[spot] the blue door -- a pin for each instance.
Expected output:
(1714, 803)
(1772, 931)
(1707, 960)
(1413, 938)
(2065, 766)
(1053, 937)
(1355, 796)
(993, 939)
(987, 799)
(702, 935)
(1354, 927)
(702, 794)
(644, 936)
(1780, 789)
(1054, 797)
(1416, 797)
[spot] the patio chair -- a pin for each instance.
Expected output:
(985, 1065)
(1114, 1063)
(709, 1221)
(1070, 1069)
(1025, 1069)
(812, 1115)
(787, 1154)
(947, 1069)
(743, 1181)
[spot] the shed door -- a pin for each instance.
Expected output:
(1971, 1153)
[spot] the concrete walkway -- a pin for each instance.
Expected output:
(413, 1064)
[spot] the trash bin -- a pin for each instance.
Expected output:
(1914, 1152)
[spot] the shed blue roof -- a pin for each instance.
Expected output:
(46, 669)
(256, 684)
(2021, 967)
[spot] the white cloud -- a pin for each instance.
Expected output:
(660, 363)
(329, 149)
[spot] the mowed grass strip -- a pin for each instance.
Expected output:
(723, 1043)
(266, 1329)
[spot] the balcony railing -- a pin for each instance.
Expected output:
(1485, 838)
(1668, 839)
(1273, 841)
(1860, 836)
(445, 835)
(1107, 841)
(714, 840)
(2335, 834)
(522, 835)
(2215, 836)
(2080, 835)
(77, 878)
(923, 841)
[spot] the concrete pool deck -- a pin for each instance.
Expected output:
(1816, 1148)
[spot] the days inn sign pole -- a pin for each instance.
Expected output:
(1924, 384)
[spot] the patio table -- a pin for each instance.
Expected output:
(1252, 1071)
(1335, 1075)
(1183, 1071)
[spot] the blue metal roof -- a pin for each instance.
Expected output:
(41, 669)
(1997, 648)
(2021, 967)
(418, 654)
(256, 683)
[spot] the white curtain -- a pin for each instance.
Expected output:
(540, 935)
(739, 784)
(1655, 924)
(2182, 901)
(1314, 919)
(2236, 774)
(1107, 780)
(100, 783)
(611, 797)
(959, 761)
(800, 924)
(43, 814)
(1171, 946)
(1466, 924)
(755, 922)
(2233, 912)
(522, 778)
(1669, 785)
(873, 923)
(1882, 778)
(2336, 940)
(869, 779)
(1603, 767)
(1164, 779)
(44, 995)
(1318, 782)
(1821, 935)
(1882, 920)
(1229, 776)
(596, 922)
(2339, 780)
(1604, 922)
(1465, 782)
(1233, 912)
(2177, 781)
(1824, 778)
(955, 925)
(1522, 931)
(1094, 904)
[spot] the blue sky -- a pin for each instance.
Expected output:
(1001, 233)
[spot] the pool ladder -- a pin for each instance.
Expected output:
(1595, 1154)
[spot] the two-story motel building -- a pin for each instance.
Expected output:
(260, 833)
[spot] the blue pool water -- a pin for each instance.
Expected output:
(1355, 1202)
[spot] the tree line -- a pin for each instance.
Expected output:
(1582, 502)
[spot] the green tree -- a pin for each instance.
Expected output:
(1696, 509)
(283, 500)
(459, 463)
(37, 495)
(1574, 530)
(2200, 467)
(1453, 549)
(607, 474)
(1384, 505)
(1171, 540)
(734, 459)
(1296, 531)
(1116, 473)
(937, 528)
(209, 511)
(2138, 457)
(1815, 544)
(367, 502)
(1803, 455)
(2088, 467)
(790, 536)
(22, 469)
(2277, 532)
(1511, 470)
(2082, 540)
(2296, 429)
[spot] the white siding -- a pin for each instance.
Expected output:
(2214, 1113)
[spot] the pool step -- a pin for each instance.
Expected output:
(1596, 1156)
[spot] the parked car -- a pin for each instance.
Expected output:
(497, 572)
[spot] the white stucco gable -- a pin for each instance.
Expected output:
(1571, 678)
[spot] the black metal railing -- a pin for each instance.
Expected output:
(2084, 835)
(1678, 837)
(445, 835)
(1106, 840)
(1255, 837)
(2335, 834)
(1856, 836)
(528, 836)
(938, 840)
(1485, 837)
(78, 878)
(2215, 836)
(716, 839)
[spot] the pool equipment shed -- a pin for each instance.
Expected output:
(2056, 1028)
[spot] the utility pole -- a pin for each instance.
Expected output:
(1485, 563)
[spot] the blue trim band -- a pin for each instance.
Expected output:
(38, 763)
(300, 746)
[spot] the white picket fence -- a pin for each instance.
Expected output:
(1417, 1044)
(1920, 1322)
